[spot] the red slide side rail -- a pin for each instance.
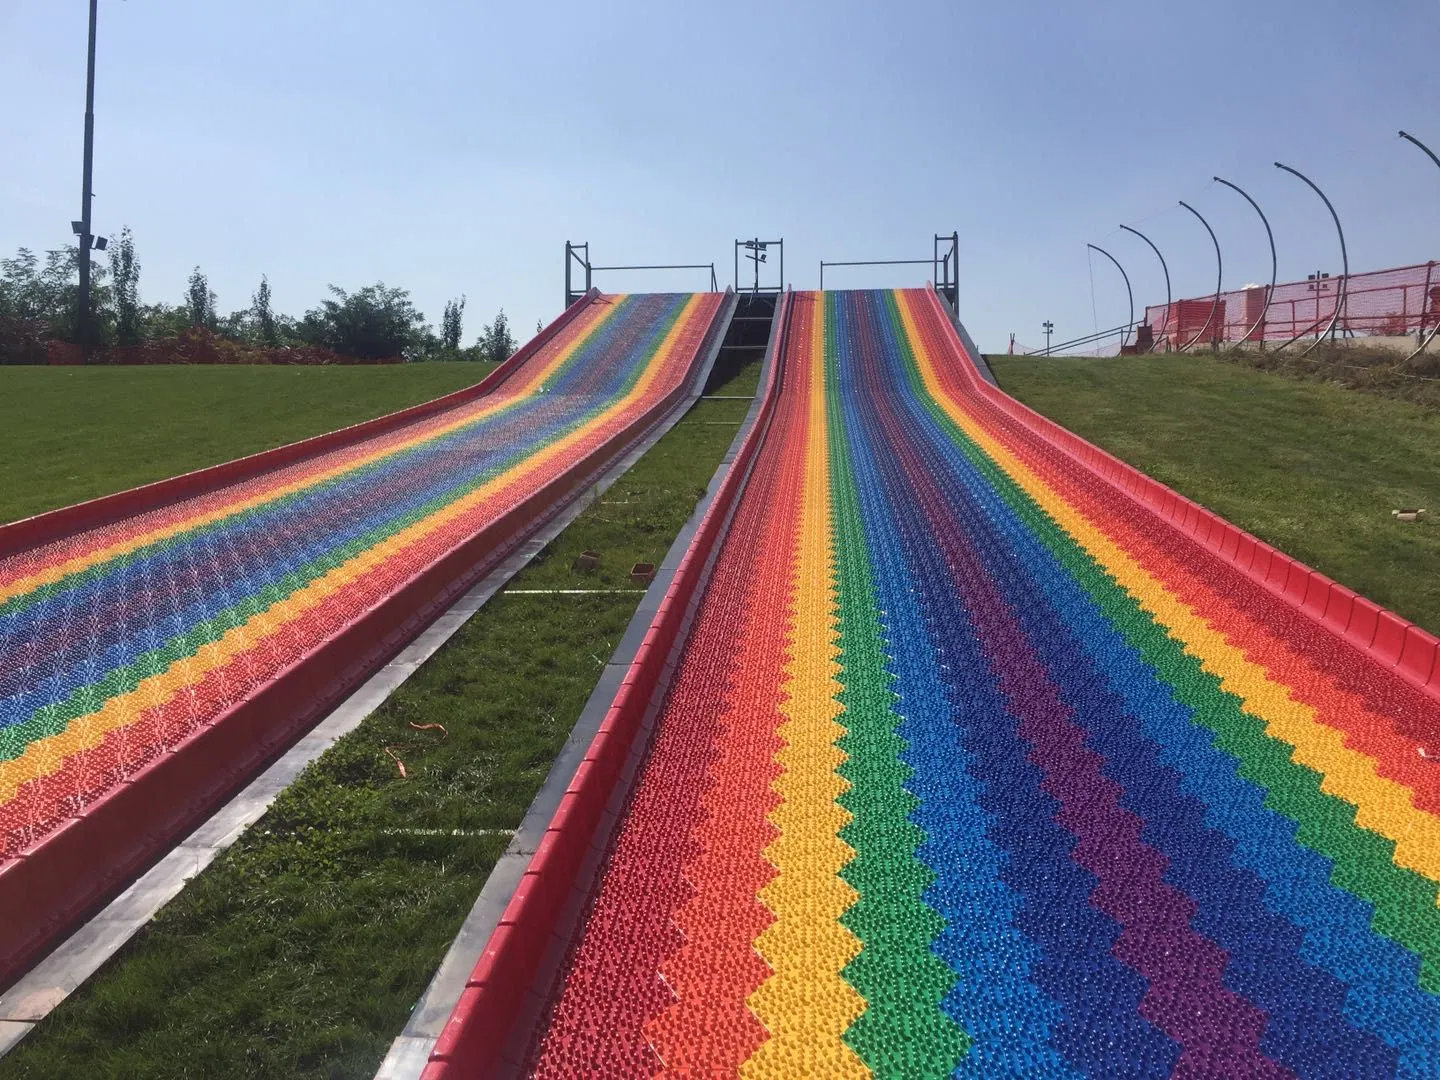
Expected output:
(67, 520)
(1387, 639)
(49, 888)
(484, 1017)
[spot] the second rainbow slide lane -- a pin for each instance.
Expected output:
(118, 643)
(965, 771)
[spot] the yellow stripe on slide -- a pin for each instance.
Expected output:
(806, 1005)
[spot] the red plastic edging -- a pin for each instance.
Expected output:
(1392, 642)
(44, 528)
(481, 1022)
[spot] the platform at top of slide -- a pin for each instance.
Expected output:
(974, 766)
(122, 643)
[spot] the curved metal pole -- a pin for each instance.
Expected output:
(1274, 263)
(1426, 343)
(1344, 264)
(1422, 146)
(1128, 291)
(1219, 276)
(1163, 267)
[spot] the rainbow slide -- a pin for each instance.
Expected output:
(158, 647)
(982, 756)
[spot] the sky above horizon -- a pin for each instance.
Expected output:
(452, 148)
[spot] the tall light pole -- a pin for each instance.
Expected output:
(1049, 329)
(82, 324)
(755, 252)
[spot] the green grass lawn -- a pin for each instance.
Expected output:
(301, 951)
(1354, 366)
(1311, 468)
(68, 434)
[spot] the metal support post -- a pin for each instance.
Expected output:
(572, 253)
(82, 321)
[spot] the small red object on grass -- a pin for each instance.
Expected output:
(398, 763)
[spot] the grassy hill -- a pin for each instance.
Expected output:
(1311, 468)
(68, 434)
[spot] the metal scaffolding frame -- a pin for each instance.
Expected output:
(944, 264)
(573, 257)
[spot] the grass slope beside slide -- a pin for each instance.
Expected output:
(1313, 469)
(68, 434)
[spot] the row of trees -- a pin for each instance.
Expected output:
(39, 297)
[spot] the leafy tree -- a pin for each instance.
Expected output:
(22, 341)
(49, 293)
(125, 271)
(20, 296)
(427, 346)
(39, 291)
(22, 330)
(200, 300)
(451, 325)
(373, 323)
(238, 326)
(496, 342)
(267, 330)
(163, 320)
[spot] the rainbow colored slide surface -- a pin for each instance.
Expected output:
(125, 644)
(973, 766)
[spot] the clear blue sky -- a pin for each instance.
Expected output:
(453, 147)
